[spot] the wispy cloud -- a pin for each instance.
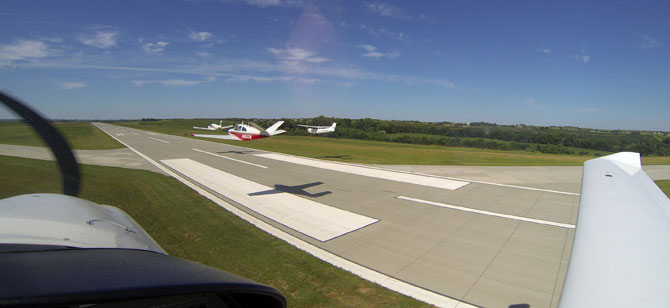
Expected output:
(174, 82)
(543, 50)
(314, 72)
(200, 36)
(647, 41)
(25, 49)
(297, 55)
(156, 47)
(582, 57)
(588, 110)
(386, 10)
(373, 53)
(400, 36)
(276, 3)
(72, 85)
(533, 104)
(101, 39)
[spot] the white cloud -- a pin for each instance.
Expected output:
(544, 50)
(101, 39)
(276, 3)
(297, 55)
(174, 82)
(25, 49)
(582, 57)
(400, 36)
(648, 41)
(154, 47)
(373, 53)
(72, 85)
(203, 54)
(385, 9)
(200, 36)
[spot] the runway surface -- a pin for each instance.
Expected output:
(473, 240)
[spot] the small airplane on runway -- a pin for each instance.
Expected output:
(249, 131)
(214, 126)
(319, 129)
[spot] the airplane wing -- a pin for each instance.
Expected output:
(621, 251)
(227, 126)
(317, 127)
(206, 128)
(226, 137)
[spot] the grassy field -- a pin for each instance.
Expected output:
(188, 225)
(375, 152)
(665, 186)
(80, 135)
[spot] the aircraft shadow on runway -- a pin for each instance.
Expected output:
(295, 189)
(236, 152)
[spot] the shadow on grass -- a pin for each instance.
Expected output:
(236, 152)
(342, 157)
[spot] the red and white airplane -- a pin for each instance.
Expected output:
(249, 131)
(214, 126)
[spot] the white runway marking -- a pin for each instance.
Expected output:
(371, 172)
(314, 219)
(460, 208)
(161, 140)
(134, 133)
(237, 160)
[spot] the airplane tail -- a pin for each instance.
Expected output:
(333, 126)
(272, 130)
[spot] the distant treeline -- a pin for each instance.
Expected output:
(555, 140)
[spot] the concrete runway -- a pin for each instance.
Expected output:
(502, 239)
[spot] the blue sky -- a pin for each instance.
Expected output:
(598, 64)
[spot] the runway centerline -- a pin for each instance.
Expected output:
(229, 158)
(465, 209)
(161, 140)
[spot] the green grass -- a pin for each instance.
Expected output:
(377, 152)
(80, 135)
(665, 186)
(188, 225)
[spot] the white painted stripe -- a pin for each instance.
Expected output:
(386, 281)
(311, 218)
(161, 140)
(134, 133)
(482, 182)
(233, 159)
(460, 208)
(370, 172)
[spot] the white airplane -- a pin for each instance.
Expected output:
(214, 126)
(249, 131)
(621, 251)
(319, 129)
